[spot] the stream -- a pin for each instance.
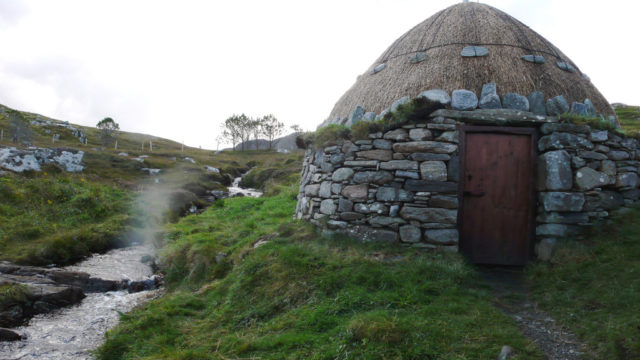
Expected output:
(70, 333)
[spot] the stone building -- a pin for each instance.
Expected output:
(490, 165)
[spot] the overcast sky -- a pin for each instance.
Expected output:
(177, 69)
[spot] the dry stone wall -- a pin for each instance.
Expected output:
(401, 185)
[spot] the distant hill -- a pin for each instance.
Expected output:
(285, 143)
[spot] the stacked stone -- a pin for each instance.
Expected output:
(583, 175)
(400, 185)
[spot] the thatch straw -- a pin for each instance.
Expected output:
(442, 37)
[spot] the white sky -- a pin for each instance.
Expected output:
(177, 69)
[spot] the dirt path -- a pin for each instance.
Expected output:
(512, 298)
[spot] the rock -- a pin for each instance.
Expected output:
(399, 165)
(325, 189)
(397, 135)
(562, 201)
(393, 210)
(373, 177)
(342, 174)
(382, 155)
(356, 116)
(588, 178)
(489, 98)
(515, 101)
(356, 193)
(379, 235)
(443, 201)
(556, 230)
(429, 157)
(599, 136)
(545, 249)
(361, 163)
(549, 128)
(618, 155)
(393, 194)
(493, 117)
(627, 180)
(418, 57)
(378, 68)
(561, 140)
(402, 101)
(441, 236)
(429, 215)
(375, 208)
(536, 103)
(425, 146)
(328, 207)
(386, 221)
(565, 66)
(436, 96)
(312, 190)
(507, 352)
(351, 216)
(578, 109)
(474, 51)
(591, 110)
(556, 106)
(382, 144)
(454, 169)
(419, 134)
(464, 100)
(336, 159)
(449, 136)
(9, 335)
(344, 205)
(563, 218)
(609, 167)
(369, 116)
(605, 200)
(554, 171)
(536, 59)
(334, 224)
(433, 171)
(407, 174)
(410, 234)
(592, 155)
(577, 162)
(382, 114)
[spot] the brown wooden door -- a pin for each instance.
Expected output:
(496, 195)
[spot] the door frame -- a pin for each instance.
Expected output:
(530, 131)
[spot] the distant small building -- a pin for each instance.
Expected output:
(488, 164)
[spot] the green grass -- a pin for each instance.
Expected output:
(629, 118)
(12, 294)
(304, 296)
(593, 287)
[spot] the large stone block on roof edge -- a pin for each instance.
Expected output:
(464, 100)
(562, 140)
(489, 98)
(557, 105)
(515, 101)
(436, 96)
(536, 103)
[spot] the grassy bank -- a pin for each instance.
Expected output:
(593, 287)
(299, 295)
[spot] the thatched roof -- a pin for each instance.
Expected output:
(442, 38)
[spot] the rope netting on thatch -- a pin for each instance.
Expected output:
(443, 36)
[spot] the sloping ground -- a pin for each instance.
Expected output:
(246, 281)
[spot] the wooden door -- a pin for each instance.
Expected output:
(497, 194)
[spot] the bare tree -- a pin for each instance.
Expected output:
(272, 128)
(296, 128)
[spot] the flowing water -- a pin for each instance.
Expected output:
(70, 333)
(236, 189)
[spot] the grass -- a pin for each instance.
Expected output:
(304, 296)
(629, 118)
(12, 294)
(592, 286)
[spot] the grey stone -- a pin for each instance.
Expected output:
(629, 143)
(410, 234)
(325, 189)
(397, 135)
(562, 201)
(433, 171)
(364, 142)
(591, 110)
(449, 136)
(431, 186)
(419, 134)
(402, 101)
(578, 109)
(328, 207)
(609, 167)
(554, 171)
(560, 140)
(382, 144)
(563, 218)
(418, 57)
(436, 96)
(599, 136)
(602, 148)
(493, 117)
(425, 146)
(556, 106)
(618, 155)
(9, 335)
(375, 208)
(349, 147)
(356, 193)
(382, 221)
(565, 66)
(382, 155)
(373, 177)
(382, 114)
(489, 98)
(632, 194)
(407, 174)
(557, 230)
(545, 249)
(441, 236)
(378, 68)
(536, 59)
(393, 210)
(312, 190)
(588, 178)
(592, 155)
(393, 194)
(444, 202)
(577, 162)
(549, 128)
(344, 205)
(536, 103)
(399, 165)
(627, 180)
(464, 100)
(336, 188)
(454, 169)
(356, 116)
(515, 101)
(474, 51)
(605, 200)
(380, 235)
(337, 159)
(351, 216)
(429, 215)
(342, 174)
(429, 157)
(369, 116)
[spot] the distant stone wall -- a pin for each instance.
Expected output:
(401, 185)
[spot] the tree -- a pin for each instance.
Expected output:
(296, 128)
(272, 128)
(108, 130)
(257, 130)
(237, 128)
